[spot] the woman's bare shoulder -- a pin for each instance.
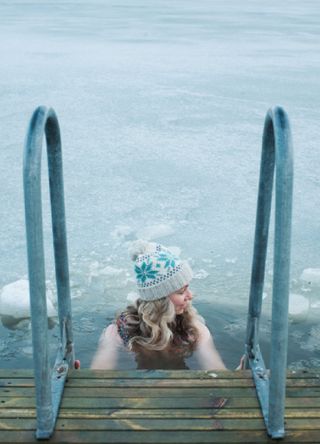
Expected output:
(203, 330)
(110, 335)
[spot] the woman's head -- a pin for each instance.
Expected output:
(163, 314)
(156, 325)
(159, 273)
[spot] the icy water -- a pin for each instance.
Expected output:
(161, 106)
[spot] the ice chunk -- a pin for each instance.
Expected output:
(102, 277)
(111, 271)
(201, 274)
(311, 275)
(232, 260)
(122, 233)
(15, 300)
(155, 231)
(298, 307)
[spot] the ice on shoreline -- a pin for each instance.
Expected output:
(153, 232)
(102, 277)
(311, 276)
(298, 307)
(15, 300)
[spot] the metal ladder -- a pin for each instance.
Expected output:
(276, 154)
(49, 384)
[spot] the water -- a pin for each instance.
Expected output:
(161, 106)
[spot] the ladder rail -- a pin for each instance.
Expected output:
(276, 157)
(49, 384)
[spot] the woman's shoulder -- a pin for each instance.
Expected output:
(110, 335)
(204, 332)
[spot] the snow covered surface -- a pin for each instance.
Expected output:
(15, 300)
(311, 276)
(298, 307)
(161, 105)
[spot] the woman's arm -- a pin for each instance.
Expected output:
(206, 352)
(106, 356)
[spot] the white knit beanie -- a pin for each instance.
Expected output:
(158, 271)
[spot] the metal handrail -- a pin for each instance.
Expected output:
(277, 155)
(49, 383)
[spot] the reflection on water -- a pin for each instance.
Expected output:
(151, 361)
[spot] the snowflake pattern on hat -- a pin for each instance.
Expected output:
(145, 272)
(158, 271)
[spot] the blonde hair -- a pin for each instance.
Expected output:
(154, 325)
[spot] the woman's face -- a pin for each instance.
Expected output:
(180, 299)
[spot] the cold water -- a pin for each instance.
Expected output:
(161, 105)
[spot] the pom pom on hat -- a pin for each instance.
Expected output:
(140, 247)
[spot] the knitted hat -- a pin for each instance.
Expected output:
(158, 271)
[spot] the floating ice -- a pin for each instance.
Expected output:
(311, 275)
(102, 277)
(123, 233)
(201, 274)
(313, 342)
(15, 300)
(232, 260)
(28, 350)
(207, 261)
(155, 231)
(298, 307)
(111, 271)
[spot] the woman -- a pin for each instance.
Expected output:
(162, 328)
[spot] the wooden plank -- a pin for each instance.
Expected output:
(154, 403)
(160, 437)
(88, 382)
(176, 392)
(182, 374)
(172, 424)
(223, 413)
(159, 383)
(158, 374)
(138, 424)
(177, 424)
(230, 383)
(136, 374)
(16, 373)
(135, 393)
(17, 382)
(143, 383)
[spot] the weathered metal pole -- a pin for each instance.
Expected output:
(49, 386)
(276, 155)
(281, 269)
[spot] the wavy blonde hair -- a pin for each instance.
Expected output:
(154, 326)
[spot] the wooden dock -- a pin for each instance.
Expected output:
(159, 406)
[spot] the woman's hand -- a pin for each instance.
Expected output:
(242, 364)
(106, 356)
